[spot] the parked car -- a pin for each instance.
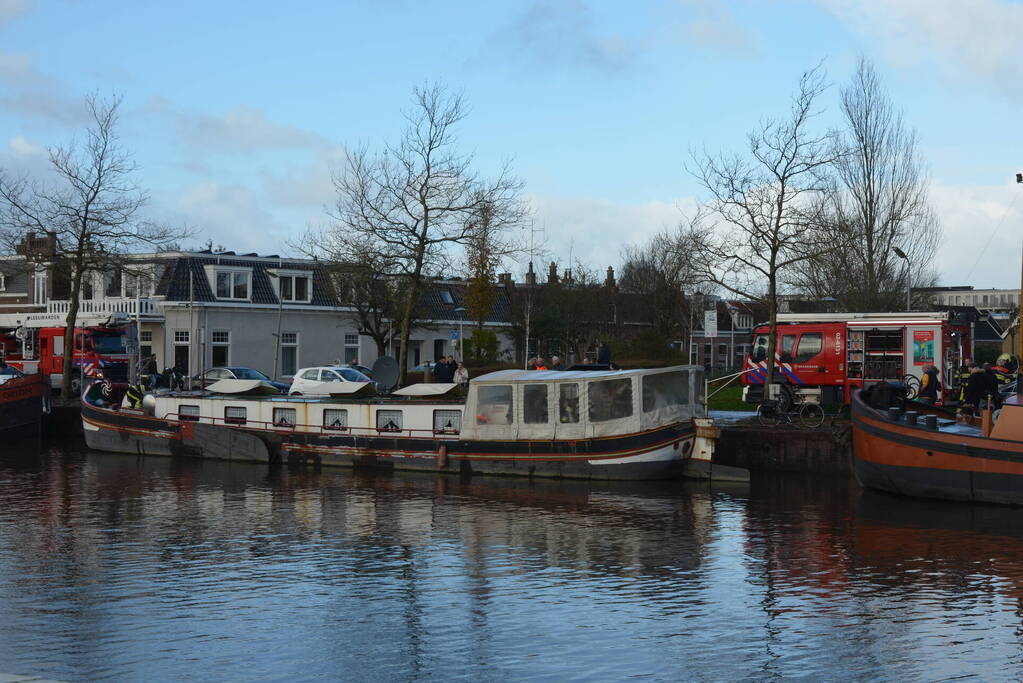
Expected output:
(307, 380)
(214, 374)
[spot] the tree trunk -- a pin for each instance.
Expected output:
(69, 328)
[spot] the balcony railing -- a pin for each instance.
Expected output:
(146, 308)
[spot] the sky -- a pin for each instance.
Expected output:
(236, 112)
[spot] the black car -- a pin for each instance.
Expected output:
(214, 374)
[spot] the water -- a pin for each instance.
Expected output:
(118, 568)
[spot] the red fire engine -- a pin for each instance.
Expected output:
(823, 357)
(101, 350)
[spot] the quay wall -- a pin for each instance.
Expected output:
(825, 451)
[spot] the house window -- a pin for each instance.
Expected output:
(294, 287)
(289, 353)
(235, 415)
(188, 413)
(284, 417)
(335, 419)
(447, 421)
(351, 348)
(146, 343)
(233, 284)
(388, 420)
(182, 349)
(180, 336)
(221, 348)
(3, 282)
(445, 295)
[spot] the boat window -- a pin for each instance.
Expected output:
(809, 346)
(284, 417)
(534, 404)
(311, 374)
(610, 399)
(188, 413)
(568, 402)
(388, 420)
(665, 390)
(234, 415)
(447, 421)
(495, 404)
(335, 419)
(788, 342)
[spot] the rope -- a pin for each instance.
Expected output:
(980, 254)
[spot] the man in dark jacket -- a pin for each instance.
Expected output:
(930, 385)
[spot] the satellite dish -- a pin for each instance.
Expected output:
(385, 372)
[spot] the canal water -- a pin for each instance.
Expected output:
(120, 568)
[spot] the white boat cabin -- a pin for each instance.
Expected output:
(505, 405)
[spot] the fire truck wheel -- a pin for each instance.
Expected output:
(785, 399)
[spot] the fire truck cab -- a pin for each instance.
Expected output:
(823, 358)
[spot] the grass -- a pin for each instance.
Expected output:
(729, 398)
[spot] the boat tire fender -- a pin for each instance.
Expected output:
(442, 457)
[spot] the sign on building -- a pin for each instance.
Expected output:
(710, 323)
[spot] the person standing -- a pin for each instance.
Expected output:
(461, 375)
(930, 385)
(556, 363)
(442, 372)
(604, 354)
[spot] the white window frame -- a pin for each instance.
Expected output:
(3, 282)
(294, 275)
(291, 344)
(184, 340)
(212, 273)
(214, 344)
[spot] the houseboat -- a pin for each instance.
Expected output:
(625, 424)
(909, 448)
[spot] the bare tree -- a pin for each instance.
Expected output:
(416, 202)
(880, 207)
(90, 203)
(661, 270)
(766, 206)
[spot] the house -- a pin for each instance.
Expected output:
(722, 337)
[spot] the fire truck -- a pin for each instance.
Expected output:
(34, 343)
(824, 357)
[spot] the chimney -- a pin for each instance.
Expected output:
(504, 279)
(530, 276)
(610, 282)
(552, 273)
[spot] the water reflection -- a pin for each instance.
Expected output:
(125, 568)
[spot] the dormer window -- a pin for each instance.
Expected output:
(445, 295)
(231, 284)
(294, 286)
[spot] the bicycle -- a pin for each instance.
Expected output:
(771, 413)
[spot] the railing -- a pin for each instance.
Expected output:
(144, 307)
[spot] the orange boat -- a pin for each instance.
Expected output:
(21, 402)
(917, 450)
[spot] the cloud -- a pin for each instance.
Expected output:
(595, 231)
(21, 147)
(12, 9)
(972, 41)
(715, 28)
(563, 32)
(242, 130)
(982, 227)
(231, 215)
(308, 186)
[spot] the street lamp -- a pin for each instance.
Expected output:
(280, 311)
(902, 255)
(461, 319)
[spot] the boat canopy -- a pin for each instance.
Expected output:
(436, 389)
(554, 404)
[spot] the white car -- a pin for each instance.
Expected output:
(309, 381)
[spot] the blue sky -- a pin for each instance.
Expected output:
(236, 112)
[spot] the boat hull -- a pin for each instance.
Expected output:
(21, 405)
(898, 458)
(655, 454)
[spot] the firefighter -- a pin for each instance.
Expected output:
(975, 390)
(963, 378)
(1002, 369)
